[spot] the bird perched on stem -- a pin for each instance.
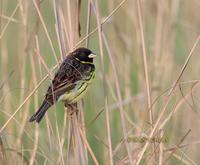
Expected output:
(70, 82)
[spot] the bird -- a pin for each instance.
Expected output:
(70, 82)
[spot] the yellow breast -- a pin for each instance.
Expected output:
(78, 92)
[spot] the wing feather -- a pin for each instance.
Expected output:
(64, 80)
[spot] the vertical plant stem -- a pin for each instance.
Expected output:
(88, 22)
(145, 68)
(108, 132)
(121, 108)
(59, 29)
(36, 132)
(168, 99)
(45, 29)
(161, 148)
(70, 24)
(145, 61)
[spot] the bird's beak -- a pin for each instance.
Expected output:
(92, 55)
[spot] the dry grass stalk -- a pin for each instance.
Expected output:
(3, 157)
(163, 30)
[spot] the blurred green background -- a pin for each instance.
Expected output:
(170, 31)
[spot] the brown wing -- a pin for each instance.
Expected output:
(63, 81)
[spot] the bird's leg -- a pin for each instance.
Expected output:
(71, 109)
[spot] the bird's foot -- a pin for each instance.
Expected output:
(71, 109)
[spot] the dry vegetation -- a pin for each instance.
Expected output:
(143, 107)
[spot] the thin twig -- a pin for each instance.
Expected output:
(45, 30)
(88, 147)
(168, 99)
(177, 145)
(121, 108)
(9, 21)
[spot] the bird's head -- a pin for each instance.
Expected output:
(84, 55)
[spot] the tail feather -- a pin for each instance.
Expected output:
(40, 113)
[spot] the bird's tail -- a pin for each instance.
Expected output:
(41, 112)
